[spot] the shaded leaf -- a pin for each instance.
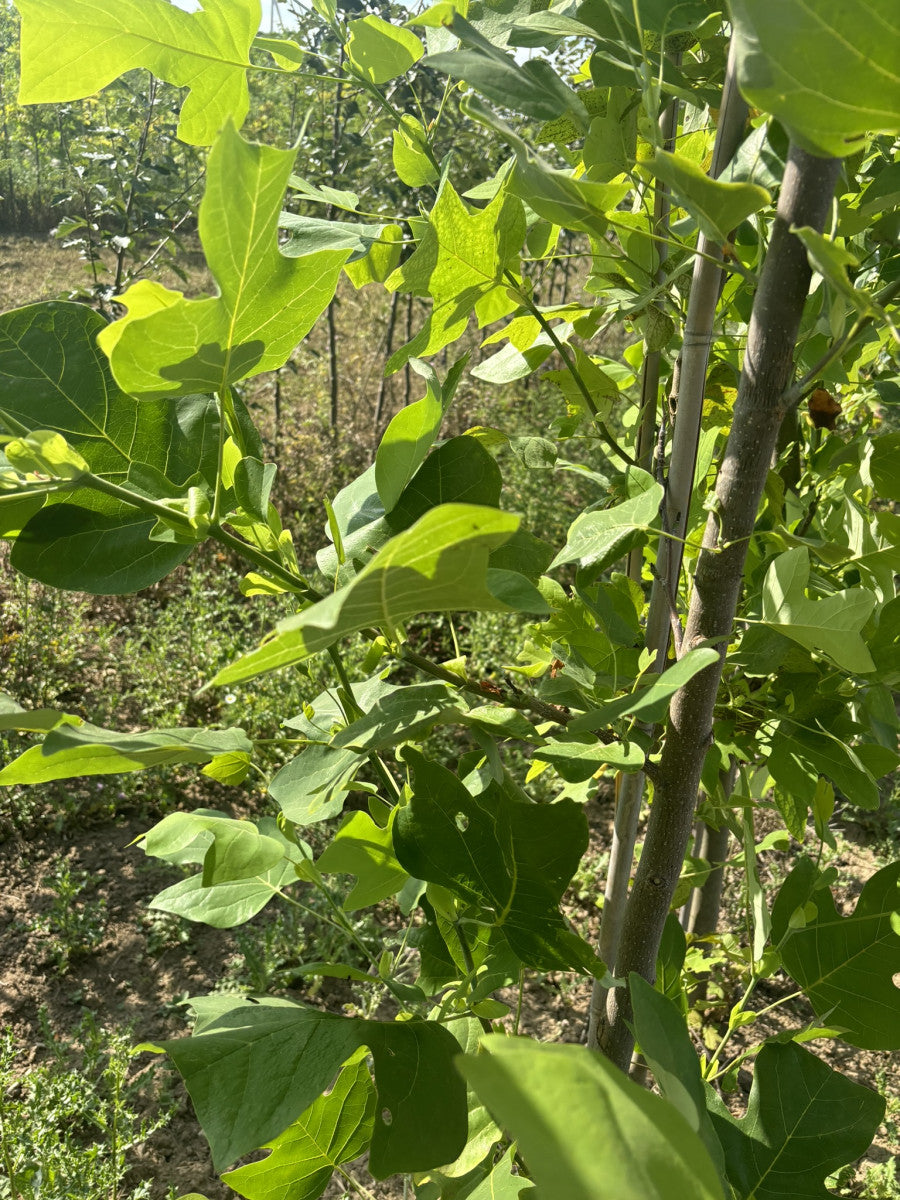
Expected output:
(511, 858)
(845, 964)
(803, 1121)
(334, 1129)
(52, 376)
(252, 1068)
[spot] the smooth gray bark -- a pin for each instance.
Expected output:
(806, 196)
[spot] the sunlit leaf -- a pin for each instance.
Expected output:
(73, 48)
(632, 1145)
(267, 302)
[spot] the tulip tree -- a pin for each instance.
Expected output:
(719, 631)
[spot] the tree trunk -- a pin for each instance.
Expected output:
(697, 339)
(805, 199)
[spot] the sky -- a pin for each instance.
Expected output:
(270, 8)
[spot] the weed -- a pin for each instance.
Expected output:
(67, 1125)
(73, 925)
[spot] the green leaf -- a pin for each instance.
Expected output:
(531, 87)
(440, 564)
(52, 376)
(632, 1145)
(29, 720)
(845, 964)
(267, 302)
(831, 625)
(73, 48)
(459, 259)
(381, 260)
(827, 71)
(362, 848)
(334, 1129)
(227, 848)
(252, 1068)
(513, 859)
(577, 761)
(665, 1043)
(597, 539)
(286, 53)
(412, 159)
(800, 755)
(311, 235)
(803, 1121)
(832, 261)
(555, 195)
(70, 751)
(311, 786)
(405, 445)
(380, 51)
(651, 701)
(718, 207)
(885, 466)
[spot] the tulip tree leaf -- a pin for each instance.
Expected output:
(598, 538)
(380, 51)
(651, 701)
(718, 207)
(830, 77)
(252, 1068)
(267, 301)
(362, 848)
(832, 624)
(70, 751)
(845, 964)
(513, 859)
(334, 1129)
(404, 446)
(437, 565)
(666, 1045)
(73, 48)
(52, 376)
(633, 1145)
(804, 1120)
(460, 258)
(244, 866)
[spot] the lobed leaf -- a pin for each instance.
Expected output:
(440, 564)
(803, 1121)
(169, 346)
(252, 1067)
(846, 965)
(73, 48)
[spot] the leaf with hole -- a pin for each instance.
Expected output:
(253, 1067)
(511, 859)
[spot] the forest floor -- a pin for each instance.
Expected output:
(80, 952)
